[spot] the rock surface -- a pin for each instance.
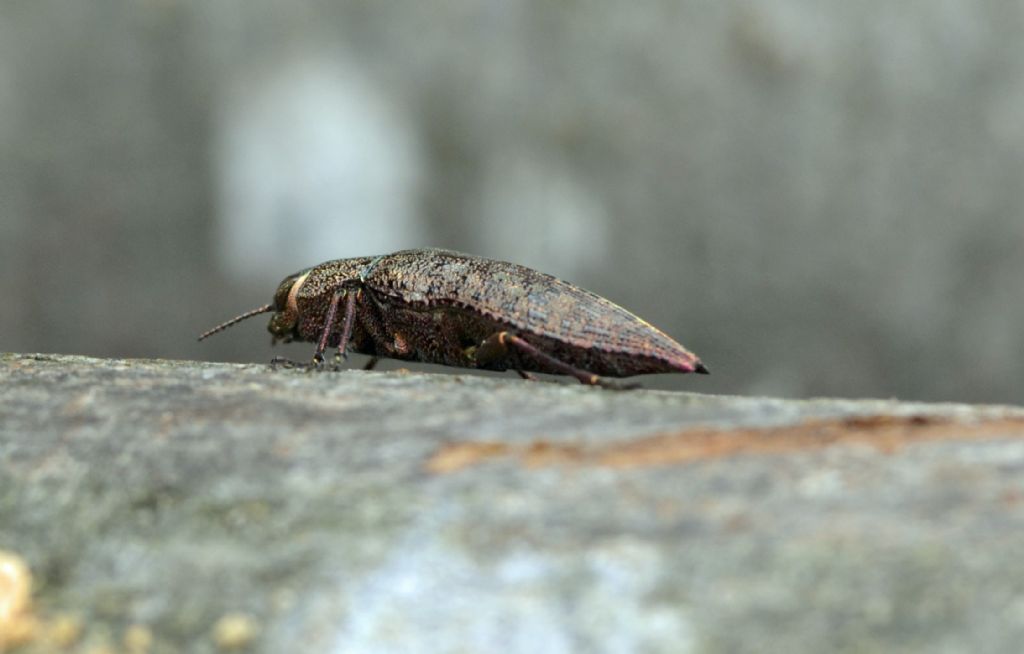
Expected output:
(214, 506)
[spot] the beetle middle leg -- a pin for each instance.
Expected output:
(332, 313)
(496, 346)
(346, 325)
(346, 328)
(367, 320)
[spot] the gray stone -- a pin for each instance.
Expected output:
(363, 512)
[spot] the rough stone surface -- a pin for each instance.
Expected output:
(367, 512)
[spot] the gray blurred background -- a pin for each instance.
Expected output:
(819, 197)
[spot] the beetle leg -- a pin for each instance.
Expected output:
(278, 363)
(497, 344)
(370, 319)
(372, 363)
(346, 326)
(529, 376)
(332, 313)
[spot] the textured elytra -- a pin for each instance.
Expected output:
(438, 306)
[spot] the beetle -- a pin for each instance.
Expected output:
(454, 309)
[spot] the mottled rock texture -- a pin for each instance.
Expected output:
(367, 512)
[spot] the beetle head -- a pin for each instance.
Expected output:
(285, 320)
(285, 307)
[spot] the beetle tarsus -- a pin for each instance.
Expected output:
(287, 364)
(279, 363)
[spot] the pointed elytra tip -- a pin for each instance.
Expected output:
(701, 369)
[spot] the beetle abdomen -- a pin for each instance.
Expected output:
(562, 320)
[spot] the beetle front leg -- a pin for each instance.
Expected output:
(332, 313)
(286, 363)
(496, 346)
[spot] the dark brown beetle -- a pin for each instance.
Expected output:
(438, 306)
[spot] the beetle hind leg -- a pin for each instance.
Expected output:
(497, 345)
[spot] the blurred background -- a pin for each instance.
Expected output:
(818, 197)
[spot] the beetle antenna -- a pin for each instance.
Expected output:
(237, 319)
